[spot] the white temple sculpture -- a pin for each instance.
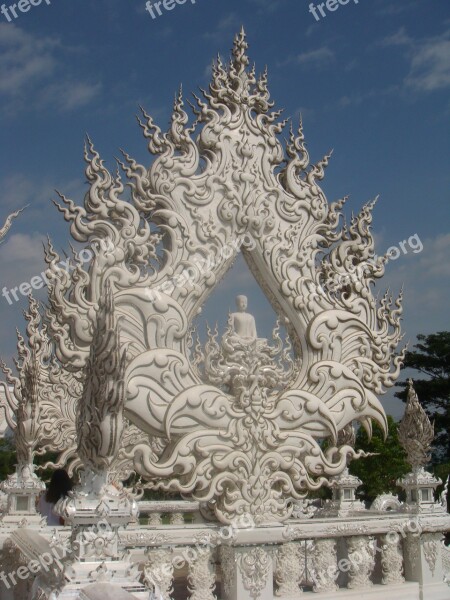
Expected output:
(226, 176)
(115, 382)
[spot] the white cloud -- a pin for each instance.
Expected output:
(399, 38)
(227, 26)
(429, 60)
(69, 95)
(28, 64)
(430, 65)
(357, 98)
(17, 190)
(318, 57)
(22, 250)
(391, 9)
(426, 279)
(24, 59)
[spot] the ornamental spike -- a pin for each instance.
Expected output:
(416, 433)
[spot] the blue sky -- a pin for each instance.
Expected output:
(372, 81)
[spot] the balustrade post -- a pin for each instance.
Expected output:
(158, 572)
(423, 563)
(392, 560)
(361, 555)
(202, 577)
(154, 519)
(176, 519)
(325, 569)
(289, 570)
(247, 573)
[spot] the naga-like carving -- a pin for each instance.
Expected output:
(223, 178)
(8, 223)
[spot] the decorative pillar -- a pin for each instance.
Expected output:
(154, 519)
(99, 506)
(423, 563)
(422, 551)
(361, 555)
(289, 570)
(392, 560)
(158, 572)
(325, 565)
(202, 577)
(416, 435)
(177, 519)
(247, 573)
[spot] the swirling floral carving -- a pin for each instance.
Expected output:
(430, 550)
(255, 567)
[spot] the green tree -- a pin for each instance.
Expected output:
(7, 458)
(431, 358)
(379, 473)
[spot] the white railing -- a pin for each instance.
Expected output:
(391, 555)
(174, 512)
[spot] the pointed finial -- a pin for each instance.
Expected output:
(240, 47)
(416, 433)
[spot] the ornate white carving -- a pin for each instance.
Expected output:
(361, 554)
(177, 519)
(430, 543)
(446, 562)
(415, 432)
(158, 572)
(142, 538)
(392, 561)
(210, 185)
(201, 577)
(44, 398)
(100, 416)
(254, 566)
(154, 519)
(304, 509)
(324, 570)
(99, 544)
(290, 570)
(227, 567)
(345, 528)
(385, 503)
(7, 225)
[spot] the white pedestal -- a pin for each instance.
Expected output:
(423, 563)
(248, 573)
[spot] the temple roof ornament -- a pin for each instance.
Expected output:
(225, 177)
(415, 432)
